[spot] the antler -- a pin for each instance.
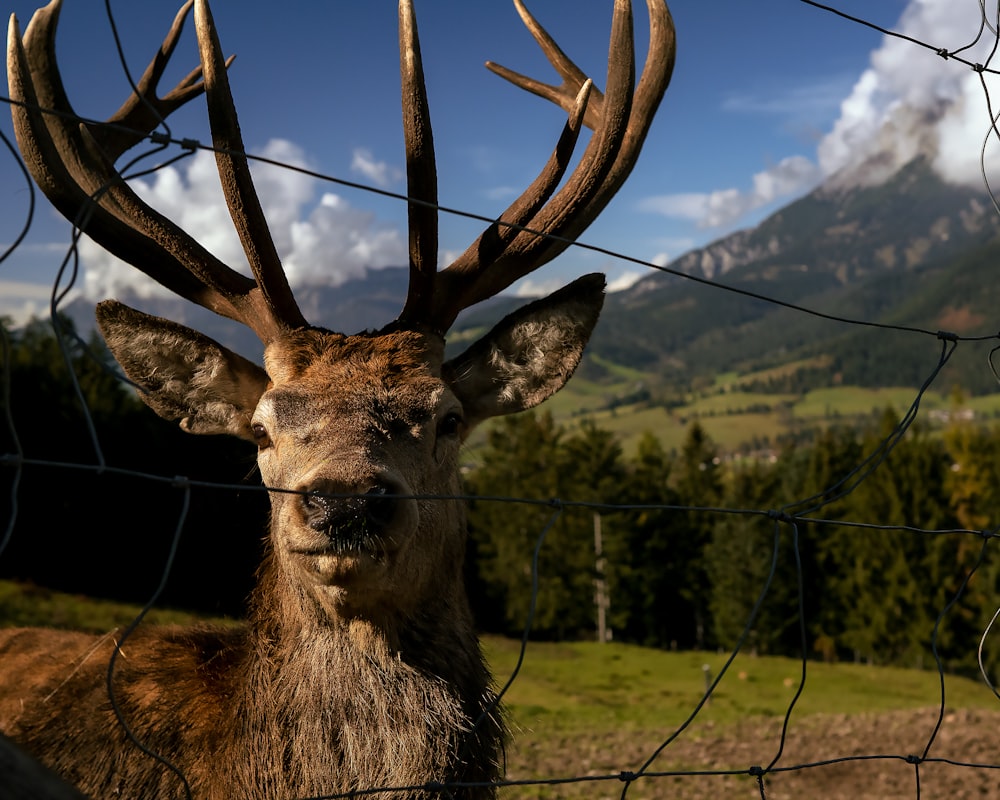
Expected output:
(539, 225)
(73, 164)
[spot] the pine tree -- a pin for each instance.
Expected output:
(697, 480)
(740, 560)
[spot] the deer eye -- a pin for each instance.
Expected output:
(450, 424)
(260, 435)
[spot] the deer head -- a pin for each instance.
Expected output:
(356, 434)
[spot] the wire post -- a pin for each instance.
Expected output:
(601, 600)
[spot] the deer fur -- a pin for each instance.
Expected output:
(358, 668)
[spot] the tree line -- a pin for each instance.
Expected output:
(859, 553)
(872, 564)
(108, 534)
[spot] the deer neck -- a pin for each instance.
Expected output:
(409, 693)
(374, 702)
(285, 612)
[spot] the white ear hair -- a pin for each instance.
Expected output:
(529, 355)
(182, 374)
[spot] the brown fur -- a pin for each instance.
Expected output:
(359, 667)
(255, 712)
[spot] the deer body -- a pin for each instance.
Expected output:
(344, 713)
(358, 668)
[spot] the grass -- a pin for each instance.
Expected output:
(26, 605)
(580, 686)
(737, 403)
(730, 379)
(586, 709)
(734, 418)
(729, 431)
(576, 686)
(987, 405)
(853, 401)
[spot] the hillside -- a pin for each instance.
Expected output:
(909, 252)
(913, 251)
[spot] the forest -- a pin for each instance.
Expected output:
(836, 544)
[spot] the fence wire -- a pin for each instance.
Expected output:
(764, 770)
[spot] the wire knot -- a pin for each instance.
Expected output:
(779, 516)
(943, 52)
(912, 759)
(180, 482)
(756, 771)
(159, 137)
(947, 336)
(627, 777)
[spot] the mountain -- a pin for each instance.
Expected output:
(909, 250)
(358, 304)
(355, 305)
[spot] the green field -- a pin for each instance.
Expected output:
(734, 418)
(28, 605)
(580, 686)
(582, 712)
(574, 686)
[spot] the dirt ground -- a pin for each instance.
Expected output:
(963, 762)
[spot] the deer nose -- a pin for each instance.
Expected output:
(341, 516)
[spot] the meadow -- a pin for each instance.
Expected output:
(736, 419)
(582, 713)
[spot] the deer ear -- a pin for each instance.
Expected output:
(529, 355)
(182, 374)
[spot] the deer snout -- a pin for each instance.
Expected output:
(356, 521)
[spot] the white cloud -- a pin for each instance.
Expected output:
(805, 102)
(910, 101)
(446, 257)
(21, 300)
(530, 287)
(323, 241)
(691, 206)
(501, 193)
(724, 206)
(380, 173)
(907, 102)
(624, 281)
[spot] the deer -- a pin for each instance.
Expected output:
(358, 668)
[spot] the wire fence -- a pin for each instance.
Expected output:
(769, 764)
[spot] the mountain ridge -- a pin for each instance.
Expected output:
(912, 250)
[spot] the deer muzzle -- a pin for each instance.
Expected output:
(352, 522)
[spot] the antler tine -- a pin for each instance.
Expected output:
(421, 171)
(237, 184)
(620, 123)
(573, 77)
(144, 109)
(72, 171)
(73, 165)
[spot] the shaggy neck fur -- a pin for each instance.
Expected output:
(372, 705)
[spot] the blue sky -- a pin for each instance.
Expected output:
(767, 97)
